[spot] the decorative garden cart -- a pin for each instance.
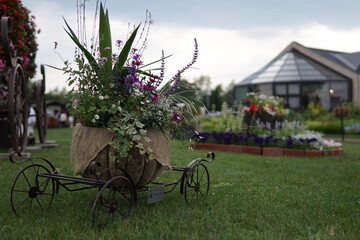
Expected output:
(15, 109)
(36, 184)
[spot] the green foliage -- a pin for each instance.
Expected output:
(324, 127)
(314, 111)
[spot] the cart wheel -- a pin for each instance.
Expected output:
(116, 196)
(18, 108)
(41, 118)
(197, 183)
(29, 190)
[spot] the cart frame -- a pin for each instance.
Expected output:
(40, 181)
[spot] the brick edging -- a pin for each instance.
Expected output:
(267, 151)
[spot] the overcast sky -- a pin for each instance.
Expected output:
(235, 37)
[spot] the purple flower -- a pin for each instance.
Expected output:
(176, 117)
(118, 43)
(289, 141)
(107, 48)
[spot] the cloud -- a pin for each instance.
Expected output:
(224, 54)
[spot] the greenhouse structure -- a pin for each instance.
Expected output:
(302, 75)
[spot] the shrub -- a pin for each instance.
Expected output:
(333, 127)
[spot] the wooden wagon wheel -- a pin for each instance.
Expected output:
(117, 196)
(18, 108)
(41, 117)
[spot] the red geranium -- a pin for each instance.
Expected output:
(253, 108)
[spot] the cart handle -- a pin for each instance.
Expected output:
(11, 158)
(210, 155)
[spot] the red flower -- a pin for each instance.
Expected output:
(253, 107)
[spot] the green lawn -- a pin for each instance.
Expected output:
(251, 197)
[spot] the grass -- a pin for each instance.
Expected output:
(251, 197)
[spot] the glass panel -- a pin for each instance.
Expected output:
(265, 89)
(288, 78)
(294, 102)
(280, 89)
(294, 88)
(240, 93)
(317, 93)
(338, 93)
(287, 67)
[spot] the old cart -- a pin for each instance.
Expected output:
(35, 186)
(14, 110)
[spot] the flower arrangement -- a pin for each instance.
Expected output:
(23, 35)
(114, 90)
(341, 111)
(23, 40)
(262, 104)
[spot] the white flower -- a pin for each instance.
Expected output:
(119, 108)
(93, 120)
(106, 97)
(113, 106)
(101, 97)
(96, 116)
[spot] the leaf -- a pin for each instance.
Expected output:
(87, 54)
(147, 139)
(155, 61)
(136, 138)
(139, 124)
(143, 131)
(126, 49)
(105, 37)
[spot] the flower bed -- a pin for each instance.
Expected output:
(268, 151)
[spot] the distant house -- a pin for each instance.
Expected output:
(302, 75)
(52, 108)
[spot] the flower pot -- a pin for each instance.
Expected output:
(338, 151)
(252, 150)
(313, 153)
(269, 151)
(93, 144)
(294, 152)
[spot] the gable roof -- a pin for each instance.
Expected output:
(299, 63)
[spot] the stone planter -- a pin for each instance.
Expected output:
(294, 152)
(313, 153)
(252, 150)
(268, 151)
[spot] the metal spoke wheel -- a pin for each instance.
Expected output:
(31, 191)
(197, 183)
(18, 108)
(41, 118)
(117, 196)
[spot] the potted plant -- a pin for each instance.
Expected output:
(124, 112)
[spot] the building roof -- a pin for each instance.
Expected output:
(299, 63)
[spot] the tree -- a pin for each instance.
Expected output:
(216, 98)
